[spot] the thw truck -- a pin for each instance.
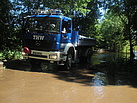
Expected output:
(48, 36)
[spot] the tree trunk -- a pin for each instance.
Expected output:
(130, 39)
(131, 48)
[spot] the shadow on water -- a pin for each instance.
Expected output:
(97, 73)
(80, 73)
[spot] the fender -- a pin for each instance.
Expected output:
(68, 46)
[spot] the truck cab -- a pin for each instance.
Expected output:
(48, 36)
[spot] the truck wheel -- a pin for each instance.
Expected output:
(68, 63)
(87, 58)
(35, 65)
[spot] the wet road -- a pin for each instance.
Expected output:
(83, 84)
(33, 87)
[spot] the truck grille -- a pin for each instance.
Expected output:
(40, 44)
(38, 56)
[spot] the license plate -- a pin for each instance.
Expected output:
(37, 53)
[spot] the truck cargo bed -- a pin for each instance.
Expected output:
(84, 41)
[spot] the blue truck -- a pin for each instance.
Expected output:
(49, 36)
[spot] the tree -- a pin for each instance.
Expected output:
(126, 8)
(110, 32)
(86, 20)
(9, 41)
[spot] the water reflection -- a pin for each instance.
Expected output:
(102, 57)
(135, 55)
(99, 81)
(99, 92)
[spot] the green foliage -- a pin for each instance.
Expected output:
(127, 8)
(9, 36)
(16, 54)
(110, 32)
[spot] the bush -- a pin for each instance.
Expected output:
(11, 55)
(120, 66)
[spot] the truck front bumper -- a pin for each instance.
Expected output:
(46, 55)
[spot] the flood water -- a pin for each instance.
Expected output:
(83, 84)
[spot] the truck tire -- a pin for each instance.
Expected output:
(35, 65)
(87, 58)
(68, 63)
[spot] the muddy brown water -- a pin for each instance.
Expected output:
(82, 84)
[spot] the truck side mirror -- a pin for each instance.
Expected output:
(77, 28)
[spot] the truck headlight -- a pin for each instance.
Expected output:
(23, 53)
(53, 56)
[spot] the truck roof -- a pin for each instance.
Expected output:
(51, 16)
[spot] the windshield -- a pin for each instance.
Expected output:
(43, 25)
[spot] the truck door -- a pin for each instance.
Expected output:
(66, 31)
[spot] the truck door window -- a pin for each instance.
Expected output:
(66, 25)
